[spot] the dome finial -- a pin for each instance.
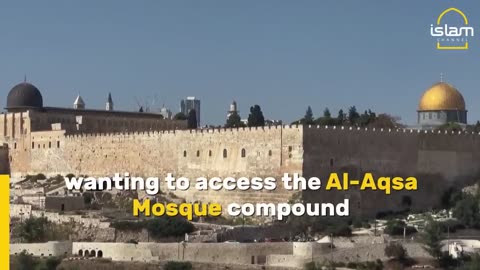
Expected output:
(25, 78)
(441, 77)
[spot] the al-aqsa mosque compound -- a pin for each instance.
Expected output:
(79, 140)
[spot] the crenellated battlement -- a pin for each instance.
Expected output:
(208, 131)
(72, 136)
(310, 150)
(389, 130)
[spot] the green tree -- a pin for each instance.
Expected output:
(50, 263)
(180, 116)
(473, 264)
(326, 113)
(432, 237)
(325, 121)
(192, 119)
(88, 197)
(467, 210)
(308, 119)
(450, 197)
(34, 230)
(25, 261)
(398, 227)
(476, 128)
(384, 121)
(234, 121)
(173, 265)
(255, 118)
(341, 117)
(169, 226)
(396, 251)
(450, 126)
(406, 201)
(353, 115)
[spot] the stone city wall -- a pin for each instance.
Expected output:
(283, 254)
(269, 151)
(231, 253)
(25, 211)
(436, 160)
(322, 253)
(43, 249)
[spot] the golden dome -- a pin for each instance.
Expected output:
(441, 96)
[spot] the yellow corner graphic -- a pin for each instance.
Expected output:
(4, 222)
(464, 47)
(465, 19)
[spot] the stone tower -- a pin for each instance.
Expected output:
(79, 104)
(233, 109)
(109, 105)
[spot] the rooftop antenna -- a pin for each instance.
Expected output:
(25, 78)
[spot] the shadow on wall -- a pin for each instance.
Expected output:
(4, 160)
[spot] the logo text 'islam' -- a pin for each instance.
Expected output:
(452, 37)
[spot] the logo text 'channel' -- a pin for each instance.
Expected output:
(452, 37)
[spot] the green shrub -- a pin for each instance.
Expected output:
(25, 261)
(396, 251)
(369, 265)
(169, 226)
(451, 225)
(88, 197)
(352, 265)
(339, 229)
(357, 223)
(171, 265)
(467, 210)
(396, 227)
(320, 266)
(50, 263)
(33, 230)
(157, 227)
(128, 225)
(40, 176)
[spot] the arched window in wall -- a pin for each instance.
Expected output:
(224, 153)
(243, 152)
(185, 153)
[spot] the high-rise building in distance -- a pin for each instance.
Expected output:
(191, 103)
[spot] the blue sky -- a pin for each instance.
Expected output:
(282, 55)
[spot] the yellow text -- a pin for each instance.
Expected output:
(369, 182)
(187, 210)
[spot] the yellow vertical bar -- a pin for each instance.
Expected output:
(4, 222)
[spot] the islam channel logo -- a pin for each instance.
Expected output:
(452, 30)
